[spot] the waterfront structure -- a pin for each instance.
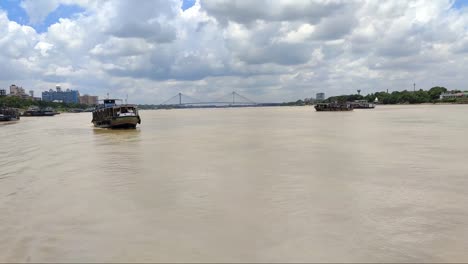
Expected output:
(89, 99)
(68, 96)
(232, 99)
(453, 95)
(320, 96)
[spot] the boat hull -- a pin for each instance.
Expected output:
(363, 107)
(119, 122)
(39, 113)
(333, 110)
(9, 118)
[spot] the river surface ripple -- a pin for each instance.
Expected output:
(284, 184)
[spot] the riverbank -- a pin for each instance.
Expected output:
(24, 104)
(421, 96)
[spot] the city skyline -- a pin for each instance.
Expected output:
(51, 95)
(272, 51)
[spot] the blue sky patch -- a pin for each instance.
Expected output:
(460, 3)
(15, 11)
(63, 11)
(18, 14)
(186, 4)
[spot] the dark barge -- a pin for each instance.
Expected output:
(322, 107)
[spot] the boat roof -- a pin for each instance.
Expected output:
(110, 99)
(116, 106)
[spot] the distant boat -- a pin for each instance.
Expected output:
(362, 104)
(322, 107)
(75, 110)
(36, 111)
(111, 115)
(9, 114)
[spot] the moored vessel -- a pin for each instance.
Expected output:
(9, 114)
(362, 104)
(111, 115)
(36, 111)
(321, 107)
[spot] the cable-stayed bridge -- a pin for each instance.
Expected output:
(231, 99)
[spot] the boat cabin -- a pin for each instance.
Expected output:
(109, 102)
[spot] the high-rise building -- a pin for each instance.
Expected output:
(2, 92)
(31, 93)
(69, 96)
(16, 90)
(89, 99)
(320, 96)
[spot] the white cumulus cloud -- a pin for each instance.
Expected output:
(270, 50)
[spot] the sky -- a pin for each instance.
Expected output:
(266, 50)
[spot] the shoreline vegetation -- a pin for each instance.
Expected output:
(421, 96)
(431, 96)
(24, 104)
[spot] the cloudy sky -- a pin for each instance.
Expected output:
(267, 50)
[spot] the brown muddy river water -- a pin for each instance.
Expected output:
(284, 184)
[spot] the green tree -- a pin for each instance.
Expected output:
(435, 92)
